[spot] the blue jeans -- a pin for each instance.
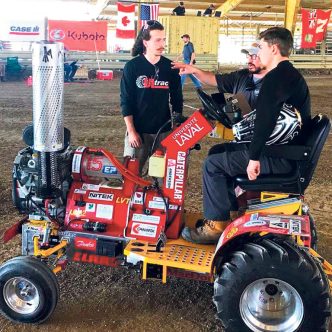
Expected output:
(196, 82)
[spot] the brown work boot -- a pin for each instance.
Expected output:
(205, 232)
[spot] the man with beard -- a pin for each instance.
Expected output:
(246, 81)
(148, 86)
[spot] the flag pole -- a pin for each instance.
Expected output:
(138, 25)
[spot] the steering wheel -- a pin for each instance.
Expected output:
(213, 110)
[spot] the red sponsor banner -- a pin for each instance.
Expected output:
(79, 36)
(323, 18)
(314, 25)
(125, 27)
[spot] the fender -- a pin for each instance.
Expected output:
(291, 225)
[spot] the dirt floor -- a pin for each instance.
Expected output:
(98, 298)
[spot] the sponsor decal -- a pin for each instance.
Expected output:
(76, 164)
(170, 173)
(101, 196)
(156, 205)
(254, 216)
(143, 82)
(254, 223)
(90, 207)
(144, 230)
(77, 213)
(146, 218)
(95, 164)
(138, 198)
(187, 132)
(110, 169)
(277, 223)
(79, 191)
(83, 243)
(295, 226)
(88, 186)
(122, 200)
(173, 207)
(104, 211)
(80, 149)
(232, 232)
(179, 175)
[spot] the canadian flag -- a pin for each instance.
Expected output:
(125, 27)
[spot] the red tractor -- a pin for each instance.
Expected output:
(82, 204)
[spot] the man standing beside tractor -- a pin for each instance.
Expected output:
(147, 87)
(282, 84)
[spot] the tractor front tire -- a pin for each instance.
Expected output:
(272, 285)
(29, 290)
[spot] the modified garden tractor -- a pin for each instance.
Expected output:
(81, 204)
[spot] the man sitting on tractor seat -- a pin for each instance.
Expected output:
(283, 84)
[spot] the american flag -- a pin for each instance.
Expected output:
(149, 12)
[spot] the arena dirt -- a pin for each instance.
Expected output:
(102, 299)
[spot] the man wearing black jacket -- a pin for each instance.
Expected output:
(147, 87)
(282, 84)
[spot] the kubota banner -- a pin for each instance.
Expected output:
(79, 35)
(314, 25)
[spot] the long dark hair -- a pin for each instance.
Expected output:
(144, 34)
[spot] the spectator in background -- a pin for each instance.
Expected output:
(179, 10)
(188, 54)
(209, 11)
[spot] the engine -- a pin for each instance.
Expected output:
(28, 192)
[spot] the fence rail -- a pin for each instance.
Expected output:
(114, 61)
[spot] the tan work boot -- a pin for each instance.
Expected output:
(205, 232)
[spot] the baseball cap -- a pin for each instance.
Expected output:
(252, 49)
(185, 35)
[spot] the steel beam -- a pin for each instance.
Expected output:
(291, 10)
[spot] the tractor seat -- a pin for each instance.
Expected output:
(305, 159)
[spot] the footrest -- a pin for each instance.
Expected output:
(178, 254)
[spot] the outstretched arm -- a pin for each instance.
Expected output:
(204, 76)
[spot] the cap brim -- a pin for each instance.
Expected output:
(251, 50)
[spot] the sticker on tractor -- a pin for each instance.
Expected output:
(111, 170)
(138, 198)
(90, 207)
(295, 226)
(104, 211)
(174, 207)
(179, 175)
(76, 164)
(77, 213)
(279, 224)
(144, 230)
(101, 196)
(254, 223)
(254, 216)
(170, 173)
(80, 149)
(84, 243)
(156, 205)
(89, 186)
(79, 191)
(232, 232)
(146, 218)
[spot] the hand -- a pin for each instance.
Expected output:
(253, 169)
(183, 67)
(135, 140)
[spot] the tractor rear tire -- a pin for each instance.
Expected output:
(272, 285)
(29, 290)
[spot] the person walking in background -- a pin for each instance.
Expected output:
(147, 87)
(188, 54)
(179, 10)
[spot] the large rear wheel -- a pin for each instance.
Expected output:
(29, 290)
(272, 285)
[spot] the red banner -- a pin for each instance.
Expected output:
(125, 27)
(79, 36)
(314, 25)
